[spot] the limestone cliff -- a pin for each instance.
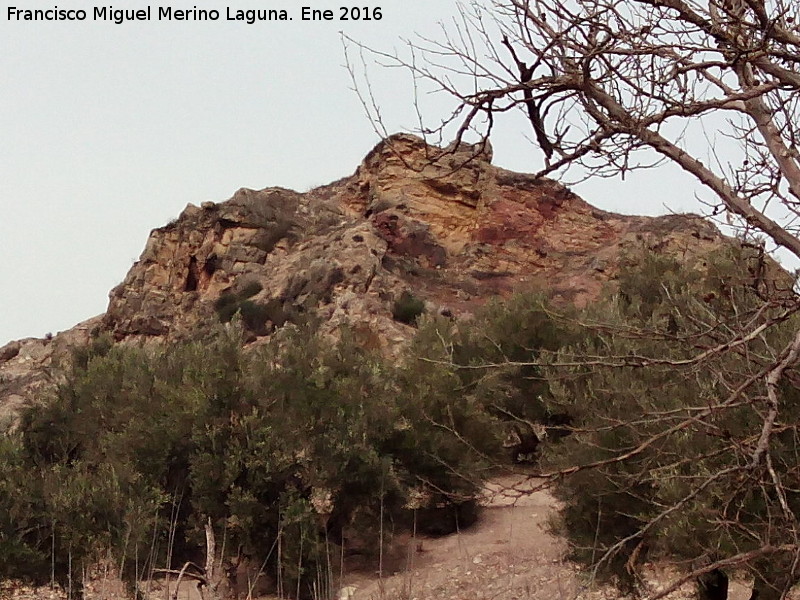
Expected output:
(441, 224)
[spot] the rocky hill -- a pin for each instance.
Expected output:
(414, 222)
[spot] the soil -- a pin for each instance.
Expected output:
(508, 555)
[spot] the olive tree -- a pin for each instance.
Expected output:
(667, 420)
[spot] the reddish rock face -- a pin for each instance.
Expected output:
(508, 220)
(442, 224)
(409, 238)
(500, 231)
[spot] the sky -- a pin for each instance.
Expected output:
(108, 131)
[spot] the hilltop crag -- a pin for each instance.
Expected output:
(443, 226)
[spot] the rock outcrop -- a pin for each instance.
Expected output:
(441, 225)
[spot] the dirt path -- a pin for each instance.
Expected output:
(508, 555)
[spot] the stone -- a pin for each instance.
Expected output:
(9, 351)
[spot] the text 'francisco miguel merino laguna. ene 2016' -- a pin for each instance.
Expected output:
(148, 13)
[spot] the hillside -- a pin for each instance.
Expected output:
(443, 226)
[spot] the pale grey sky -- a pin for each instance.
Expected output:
(108, 131)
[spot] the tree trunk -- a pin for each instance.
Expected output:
(214, 590)
(211, 550)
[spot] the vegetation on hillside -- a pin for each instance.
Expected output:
(288, 451)
(679, 451)
(669, 432)
(683, 389)
(650, 404)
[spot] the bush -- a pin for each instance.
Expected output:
(523, 330)
(254, 314)
(250, 289)
(675, 449)
(226, 306)
(99, 346)
(140, 443)
(407, 308)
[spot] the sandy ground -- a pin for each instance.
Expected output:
(508, 555)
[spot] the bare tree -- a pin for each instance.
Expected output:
(608, 86)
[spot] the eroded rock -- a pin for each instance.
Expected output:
(443, 224)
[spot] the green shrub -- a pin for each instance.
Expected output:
(677, 476)
(99, 346)
(250, 289)
(226, 306)
(254, 316)
(138, 449)
(407, 308)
